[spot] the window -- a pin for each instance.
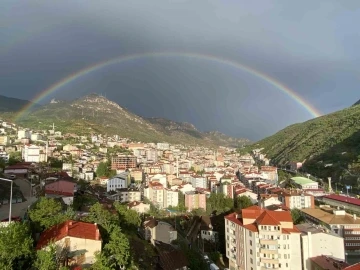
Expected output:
(251, 251)
(67, 242)
(285, 256)
(251, 260)
(250, 243)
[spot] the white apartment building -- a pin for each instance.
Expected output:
(31, 153)
(152, 155)
(258, 239)
(316, 241)
(163, 146)
(118, 182)
(171, 198)
(199, 182)
(24, 134)
(155, 193)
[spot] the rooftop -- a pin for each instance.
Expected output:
(326, 262)
(344, 199)
(302, 180)
(329, 218)
(69, 228)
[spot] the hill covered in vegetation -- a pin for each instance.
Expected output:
(329, 145)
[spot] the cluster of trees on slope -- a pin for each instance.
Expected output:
(118, 230)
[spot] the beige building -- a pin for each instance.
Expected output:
(154, 230)
(137, 175)
(316, 241)
(139, 207)
(259, 239)
(338, 222)
(4, 140)
(76, 242)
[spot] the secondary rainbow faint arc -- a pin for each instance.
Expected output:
(120, 60)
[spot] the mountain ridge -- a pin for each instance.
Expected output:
(95, 113)
(10, 104)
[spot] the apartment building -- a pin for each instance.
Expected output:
(171, 198)
(4, 140)
(259, 239)
(338, 222)
(199, 182)
(195, 200)
(118, 182)
(123, 162)
(316, 241)
(127, 195)
(155, 193)
(296, 199)
(343, 202)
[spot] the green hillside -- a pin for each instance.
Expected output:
(8, 104)
(96, 114)
(327, 144)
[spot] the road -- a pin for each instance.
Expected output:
(19, 209)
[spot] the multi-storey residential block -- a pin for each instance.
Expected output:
(155, 193)
(123, 162)
(195, 200)
(296, 199)
(171, 198)
(24, 134)
(262, 239)
(199, 182)
(316, 241)
(127, 195)
(118, 182)
(339, 222)
(4, 140)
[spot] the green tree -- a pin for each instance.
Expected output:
(98, 214)
(47, 212)
(16, 245)
(128, 218)
(297, 217)
(219, 203)
(15, 157)
(115, 254)
(242, 202)
(103, 169)
(46, 259)
(2, 164)
(118, 249)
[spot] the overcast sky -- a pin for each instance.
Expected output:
(310, 46)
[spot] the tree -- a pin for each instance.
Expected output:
(2, 163)
(128, 218)
(15, 157)
(98, 214)
(118, 249)
(115, 254)
(47, 212)
(46, 258)
(242, 202)
(297, 217)
(15, 245)
(218, 202)
(102, 169)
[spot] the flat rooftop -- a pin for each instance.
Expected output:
(302, 180)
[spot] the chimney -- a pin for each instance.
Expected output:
(97, 234)
(70, 223)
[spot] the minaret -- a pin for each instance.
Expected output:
(46, 151)
(330, 187)
(177, 167)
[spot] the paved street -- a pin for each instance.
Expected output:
(18, 209)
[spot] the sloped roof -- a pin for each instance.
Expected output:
(69, 228)
(266, 219)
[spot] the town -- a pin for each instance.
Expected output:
(106, 202)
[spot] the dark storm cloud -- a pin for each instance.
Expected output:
(312, 47)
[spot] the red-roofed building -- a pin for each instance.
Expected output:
(257, 238)
(81, 240)
(348, 203)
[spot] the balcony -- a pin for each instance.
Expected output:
(268, 260)
(268, 242)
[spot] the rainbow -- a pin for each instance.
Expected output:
(122, 59)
